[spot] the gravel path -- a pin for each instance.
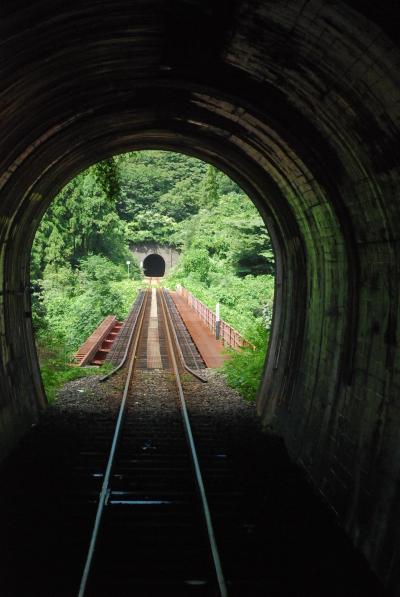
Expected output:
(87, 395)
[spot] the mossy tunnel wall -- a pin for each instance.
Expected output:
(300, 103)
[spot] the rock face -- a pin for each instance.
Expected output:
(300, 103)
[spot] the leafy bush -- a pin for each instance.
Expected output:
(54, 368)
(241, 299)
(196, 263)
(74, 302)
(72, 312)
(244, 369)
(127, 291)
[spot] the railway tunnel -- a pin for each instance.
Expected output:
(300, 104)
(154, 266)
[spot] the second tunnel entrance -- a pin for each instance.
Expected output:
(154, 266)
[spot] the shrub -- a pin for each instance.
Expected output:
(243, 371)
(54, 368)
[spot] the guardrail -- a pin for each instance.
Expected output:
(228, 335)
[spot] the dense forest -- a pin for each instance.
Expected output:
(78, 265)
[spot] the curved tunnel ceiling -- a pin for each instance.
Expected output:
(300, 103)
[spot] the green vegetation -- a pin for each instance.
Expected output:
(244, 369)
(55, 368)
(78, 271)
(227, 258)
(70, 303)
(79, 256)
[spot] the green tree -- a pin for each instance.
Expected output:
(210, 187)
(196, 263)
(107, 174)
(80, 220)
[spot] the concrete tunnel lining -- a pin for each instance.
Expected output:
(280, 92)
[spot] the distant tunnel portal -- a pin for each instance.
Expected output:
(154, 266)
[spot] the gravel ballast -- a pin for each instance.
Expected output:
(45, 528)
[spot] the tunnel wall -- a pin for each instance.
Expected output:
(298, 102)
(170, 255)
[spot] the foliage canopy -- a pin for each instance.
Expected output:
(78, 267)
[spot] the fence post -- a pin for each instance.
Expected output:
(217, 322)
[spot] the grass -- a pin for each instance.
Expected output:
(244, 369)
(55, 356)
(56, 369)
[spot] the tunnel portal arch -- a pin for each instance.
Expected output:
(300, 104)
(169, 253)
(154, 266)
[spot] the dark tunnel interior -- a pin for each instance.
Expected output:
(154, 266)
(299, 102)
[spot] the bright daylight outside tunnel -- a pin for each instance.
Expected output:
(295, 105)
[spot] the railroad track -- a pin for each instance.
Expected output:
(120, 347)
(153, 532)
(189, 350)
(273, 533)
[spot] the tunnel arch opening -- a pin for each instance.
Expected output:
(154, 266)
(238, 163)
(281, 92)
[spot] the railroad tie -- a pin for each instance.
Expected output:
(153, 342)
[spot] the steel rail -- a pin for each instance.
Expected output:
(193, 452)
(176, 320)
(105, 486)
(122, 363)
(177, 344)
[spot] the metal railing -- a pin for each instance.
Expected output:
(228, 335)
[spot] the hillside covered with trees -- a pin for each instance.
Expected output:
(78, 266)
